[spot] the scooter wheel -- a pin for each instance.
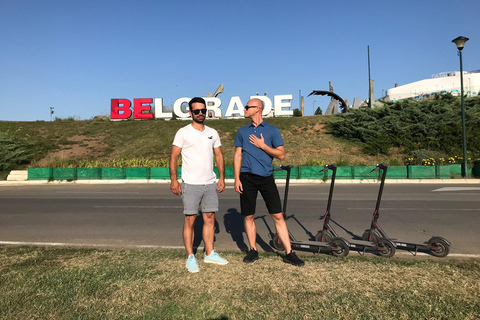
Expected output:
(277, 243)
(366, 235)
(374, 237)
(339, 248)
(385, 248)
(439, 248)
(323, 236)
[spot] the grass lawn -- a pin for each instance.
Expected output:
(66, 143)
(64, 283)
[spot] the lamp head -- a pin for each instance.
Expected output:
(460, 42)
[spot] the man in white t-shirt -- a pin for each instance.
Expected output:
(197, 144)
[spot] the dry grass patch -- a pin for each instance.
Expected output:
(149, 284)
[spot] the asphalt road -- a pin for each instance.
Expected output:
(131, 215)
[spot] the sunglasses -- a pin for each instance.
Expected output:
(197, 111)
(249, 107)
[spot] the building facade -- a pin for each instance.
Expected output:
(446, 82)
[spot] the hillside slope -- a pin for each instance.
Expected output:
(67, 141)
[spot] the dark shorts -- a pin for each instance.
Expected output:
(253, 183)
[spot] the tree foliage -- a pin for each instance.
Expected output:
(297, 113)
(433, 124)
(13, 152)
(16, 152)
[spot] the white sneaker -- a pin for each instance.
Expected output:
(192, 265)
(214, 257)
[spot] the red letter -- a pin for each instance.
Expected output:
(138, 108)
(120, 105)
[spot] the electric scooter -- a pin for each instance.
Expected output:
(384, 247)
(438, 246)
(339, 247)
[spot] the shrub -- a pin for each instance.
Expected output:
(14, 153)
(433, 125)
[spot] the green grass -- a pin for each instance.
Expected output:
(53, 283)
(68, 143)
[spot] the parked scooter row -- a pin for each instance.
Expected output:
(373, 239)
(335, 245)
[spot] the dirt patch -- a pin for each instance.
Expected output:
(331, 150)
(225, 135)
(80, 147)
(42, 132)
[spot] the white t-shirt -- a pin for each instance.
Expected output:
(197, 153)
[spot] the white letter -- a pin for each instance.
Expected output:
(279, 105)
(214, 104)
(231, 107)
(267, 104)
(159, 110)
(177, 107)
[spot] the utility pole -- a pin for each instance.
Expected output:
(299, 99)
(369, 81)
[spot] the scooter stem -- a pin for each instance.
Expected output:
(287, 185)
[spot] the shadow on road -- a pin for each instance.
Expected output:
(353, 235)
(198, 231)
(234, 225)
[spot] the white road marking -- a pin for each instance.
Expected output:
(415, 209)
(141, 207)
(95, 192)
(447, 189)
(146, 246)
(62, 244)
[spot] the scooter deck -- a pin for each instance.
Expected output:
(354, 243)
(309, 244)
(402, 243)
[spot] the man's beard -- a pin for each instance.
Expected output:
(197, 120)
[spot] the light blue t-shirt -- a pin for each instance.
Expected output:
(255, 160)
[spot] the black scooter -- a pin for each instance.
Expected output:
(339, 247)
(438, 246)
(384, 247)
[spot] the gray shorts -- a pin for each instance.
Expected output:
(202, 198)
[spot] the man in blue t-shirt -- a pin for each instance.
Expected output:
(256, 146)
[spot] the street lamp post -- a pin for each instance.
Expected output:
(460, 42)
(314, 107)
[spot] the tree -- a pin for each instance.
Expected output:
(430, 124)
(297, 113)
(318, 112)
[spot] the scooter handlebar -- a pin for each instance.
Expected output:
(382, 166)
(286, 168)
(379, 166)
(329, 167)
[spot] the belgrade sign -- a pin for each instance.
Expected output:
(121, 109)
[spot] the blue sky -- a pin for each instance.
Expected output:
(77, 55)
